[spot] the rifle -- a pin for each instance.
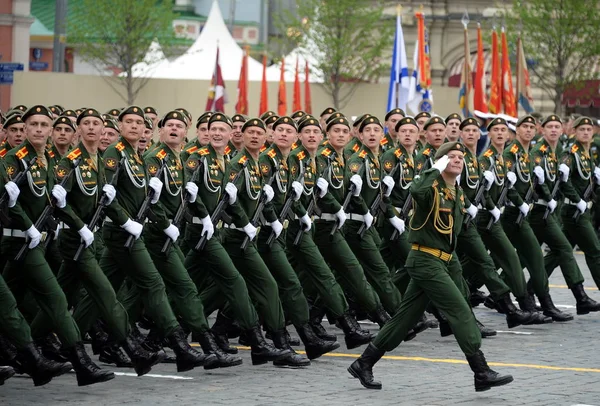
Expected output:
(46, 213)
(377, 203)
(258, 212)
(552, 196)
(18, 179)
(351, 190)
(586, 196)
(220, 209)
(102, 203)
(528, 199)
(182, 209)
(143, 211)
(476, 201)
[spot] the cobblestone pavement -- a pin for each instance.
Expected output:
(555, 364)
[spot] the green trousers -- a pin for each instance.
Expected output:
(394, 253)
(503, 253)
(292, 297)
(582, 234)
(217, 279)
(261, 284)
(88, 273)
(528, 248)
(12, 323)
(378, 274)
(549, 231)
(475, 260)
(432, 280)
(117, 263)
(33, 274)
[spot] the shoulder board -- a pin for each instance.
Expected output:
(191, 149)
(543, 148)
(301, 155)
(272, 153)
(203, 151)
(514, 149)
(161, 154)
(427, 151)
(362, 154)
(22, 153)
(574, 148)
(51, 154)
(326, 152)
(263, 148)
(120, 146)
(295, 145)
(435, 183)
(243, 159)
(74, 154)
(355, 148)
(488, 153)
(3, 152)
(227, 150)
(398, 152)
(383, 141)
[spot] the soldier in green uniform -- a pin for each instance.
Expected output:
(14, 128)
(110, 134)
(578, 173)
(390, 140)
(33, 272)
(434, 228)
(522, 236)
(324, 116)
(355, 143)
(237, 138)
(421, 118)
(453, 122)
(202, 137)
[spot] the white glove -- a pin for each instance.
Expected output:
(307, 222)
(398, 224)
(368, 219)
(297, 190)
(192, 189)
(277, 227)
(581, 206)
(489, 179)
(208, 227)
(133, 227)
(110, 192)
(322, 186)
(156, 185)
(597, 175)
(564, 172)
(60, 194)
(539, 173)
(512, 179)
(389, 183)
(495, 212)
(357, 182)
(250, 231)
(86, 235)
(524, 208)
(172, 232)
(552, 205)
(231, 191)
(341, 218)
(441, 163)
(472, 210)
(34, 237)
(269, 193)
(13, 193)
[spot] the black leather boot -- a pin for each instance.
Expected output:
(315, 318)
(293, 359)
(445, 329)
(294, 342)
(492, 304)
(379, 316)
(419, 327)
(41, 370)
(186, 357)
(313, 344)
(527, 304)
(584, 303)
(362, 368)
(353, 334)
(262, 352)
(476, 298)
(551, 311)
(485, 331)
(209, 346)
(514, 317)
(87, 372)
(8, 355)
(485, 378)
(51, 348)
(142, 360)
(6, 373)
(113, 355)
(99, 338)
(219, 329)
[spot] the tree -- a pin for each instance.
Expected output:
(116, 34)
(347, 37)
(560, 38)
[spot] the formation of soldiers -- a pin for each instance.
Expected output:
(276, 222)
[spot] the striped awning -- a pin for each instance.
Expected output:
(456, 68)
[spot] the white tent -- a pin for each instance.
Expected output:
(153, 60)
(302, 54)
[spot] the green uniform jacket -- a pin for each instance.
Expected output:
(330, 166)
(581, 172)
(471, 178)
(423, 156)
(492, 160)
(189, 149)
(543, 156)
(353, 146)
(517, 161)
(300, 161)
(403, 176)
(387, 143)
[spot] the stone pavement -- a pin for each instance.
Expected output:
(554, 364)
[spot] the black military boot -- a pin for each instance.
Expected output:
(50, 348)
(485, 378)
(30, 361)
(485, 331)
(354, 335)
(294, 342)
(99, 338)
(584, 303)
(87, 372)
(293, 359)
(514, 316)
(476, 298)
(379, 316)
(362, 368)
(419, 327)
(219, 329)
(187, 358)
(209, 346)
(6, 373)
(313, 344)
(113, 355)
(142, 360)
(527, 304)
(445, 329)
(315, 319)
(551, 311)
(492, 304)
(262, 352)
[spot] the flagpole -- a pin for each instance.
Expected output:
(397, 83)
(519, 67)
(466, 70)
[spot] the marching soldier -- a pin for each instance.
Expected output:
(324, 116)
(202, 137)
(453, 122)
(110, 135)
(14, 128)
(390, 140)
(434, 130)
(421, 119)
(354, 144)
(236, 144)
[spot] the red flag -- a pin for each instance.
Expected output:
(282, 99)
(241, 107)
(264, 104)
(524, 95)
(307, 97)
(216, 92)
(297, 104)
(479, 99)
(496, 84)
(508, 93)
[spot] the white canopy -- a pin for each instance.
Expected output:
(303, 54)
(154, 59)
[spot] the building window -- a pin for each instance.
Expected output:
(252, 34)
